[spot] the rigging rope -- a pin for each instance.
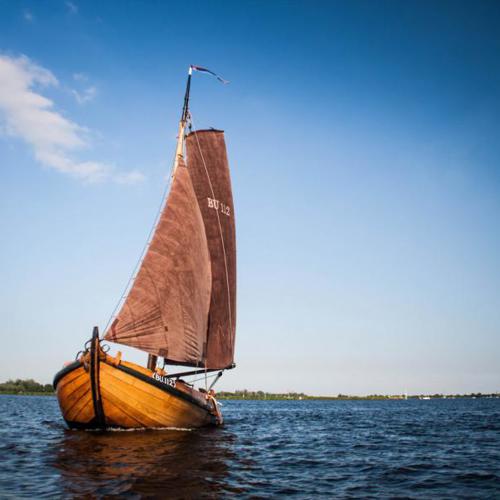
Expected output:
(201, 378)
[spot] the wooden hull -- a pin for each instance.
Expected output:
(111, 393)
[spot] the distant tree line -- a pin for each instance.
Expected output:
(260, 395)
(29, 386)
(244, 394)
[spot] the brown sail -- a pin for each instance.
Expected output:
(166, 310)
(209, 171)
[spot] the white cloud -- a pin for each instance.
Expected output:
(27, 114)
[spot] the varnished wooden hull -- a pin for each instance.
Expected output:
(116, 394)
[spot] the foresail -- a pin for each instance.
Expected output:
(209, 171)
(166, 310)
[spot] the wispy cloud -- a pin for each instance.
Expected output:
(85, 94)
(55, 139)
(28, 16)
(80, 77)
(72, 8)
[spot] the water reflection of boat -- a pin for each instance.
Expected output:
(153, 463)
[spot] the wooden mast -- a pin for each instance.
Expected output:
(179, 150)
(179, 153)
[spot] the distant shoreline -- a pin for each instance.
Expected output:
(11, 393)
(32, 388)
(285, 397)
(280, 397)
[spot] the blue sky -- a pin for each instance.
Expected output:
(364, 144)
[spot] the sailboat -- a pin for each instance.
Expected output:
(180, 307)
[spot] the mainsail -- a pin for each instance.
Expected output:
(209, 171)
(166, 310)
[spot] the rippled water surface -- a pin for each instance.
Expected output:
(416, 449)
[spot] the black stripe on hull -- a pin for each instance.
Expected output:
(62, 373)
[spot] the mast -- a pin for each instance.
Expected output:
(179, 153)
(179, 150)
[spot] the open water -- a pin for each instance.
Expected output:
(347, 449)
